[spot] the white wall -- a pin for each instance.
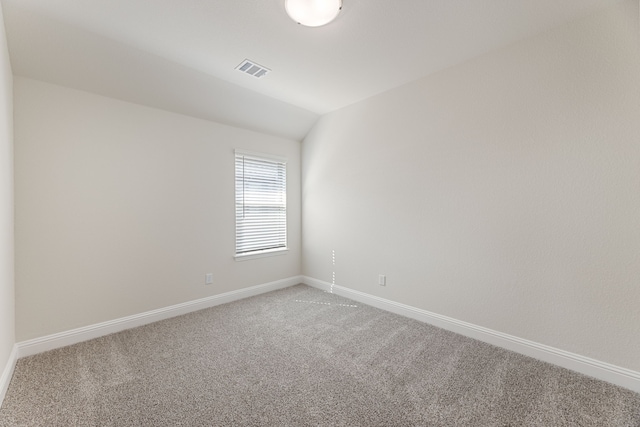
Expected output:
(7, 329)
(504, 192)
(122, 209)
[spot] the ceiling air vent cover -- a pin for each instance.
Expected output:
(253, 69)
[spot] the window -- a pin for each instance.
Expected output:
(261, 204)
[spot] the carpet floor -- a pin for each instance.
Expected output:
(302, 357)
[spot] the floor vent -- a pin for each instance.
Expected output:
(253, 69)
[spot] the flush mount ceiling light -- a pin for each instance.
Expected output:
(313, 13)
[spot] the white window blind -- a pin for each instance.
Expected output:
(261, 204)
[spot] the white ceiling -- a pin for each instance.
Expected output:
(180, 55)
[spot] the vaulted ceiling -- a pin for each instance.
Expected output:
(181, 55)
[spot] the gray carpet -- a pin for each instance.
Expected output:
(302, 357)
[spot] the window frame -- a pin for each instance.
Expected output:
(259, 253)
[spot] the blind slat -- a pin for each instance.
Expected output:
(261, 214)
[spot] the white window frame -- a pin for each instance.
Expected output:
(239, 180)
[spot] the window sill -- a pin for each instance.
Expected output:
(261, 254)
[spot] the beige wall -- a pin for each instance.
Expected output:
(7, 336)
(504, 192)
(122, 209)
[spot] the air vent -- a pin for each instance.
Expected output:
(253, 69)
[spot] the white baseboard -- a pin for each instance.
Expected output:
(575, 362)
(594, 368)
(7, 373)
(63, 339)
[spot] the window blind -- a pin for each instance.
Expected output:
(261, 204)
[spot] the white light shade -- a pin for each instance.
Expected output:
(313, 13)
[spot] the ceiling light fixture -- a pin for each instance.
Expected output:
(313, 13)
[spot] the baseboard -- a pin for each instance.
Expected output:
(7, 373)
(63, 339)
(594, 368)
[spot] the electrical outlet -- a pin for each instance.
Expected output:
(382, 280)
(208, 278)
